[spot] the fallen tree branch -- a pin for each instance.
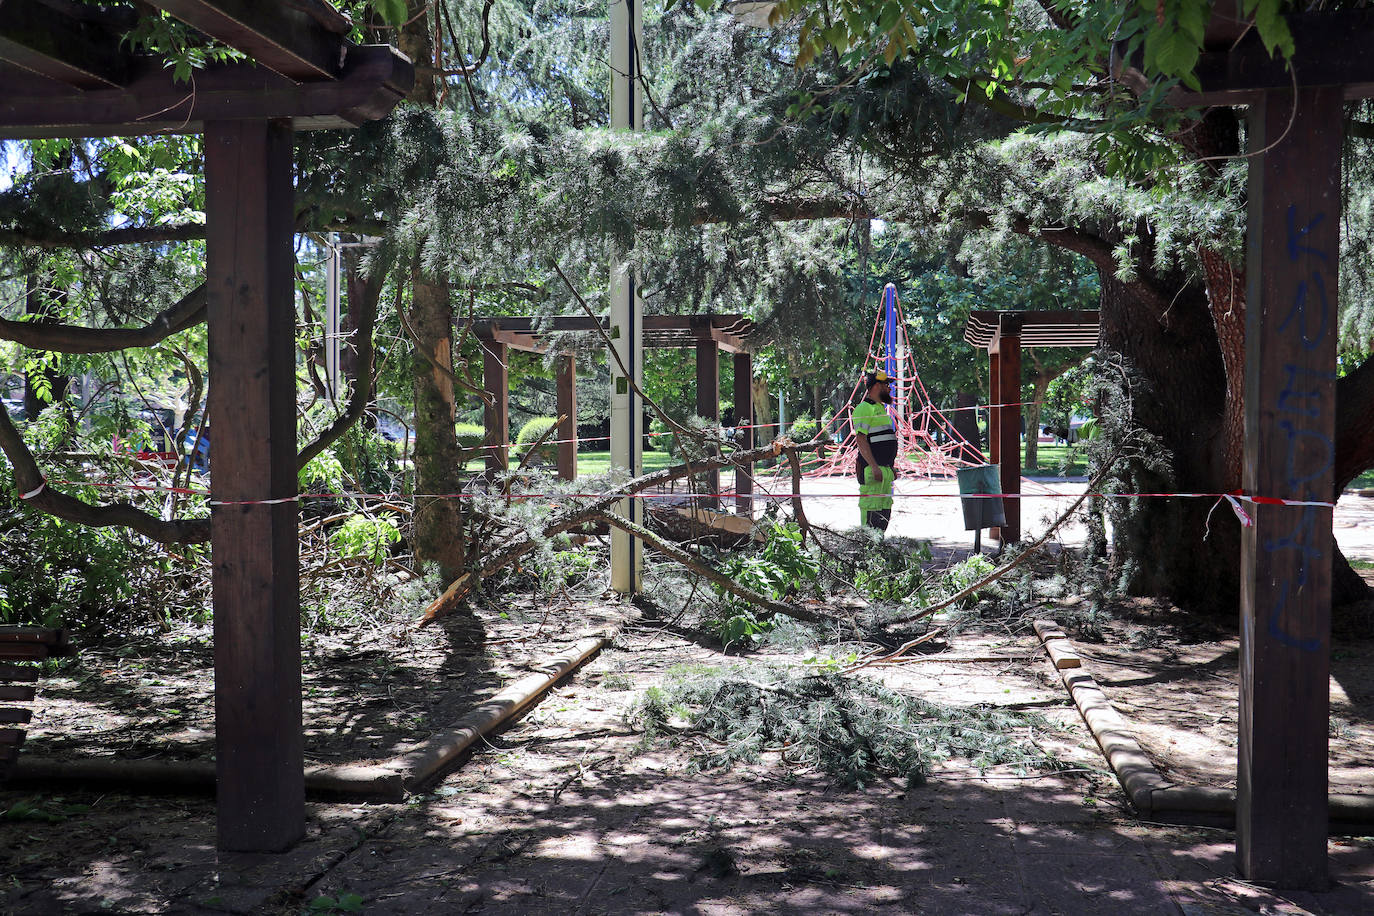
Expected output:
(677, 554)
(598, 508)
(1034, 548)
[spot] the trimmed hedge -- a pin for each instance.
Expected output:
(529, 434)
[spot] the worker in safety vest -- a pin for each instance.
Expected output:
(877, 441)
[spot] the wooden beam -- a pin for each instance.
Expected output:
(708, 406)
(280, 36)
(496, 414)
(373, 80)
(74, 52)
(1290, 375)
(251, 328)
(526, 343)
(730, 343)
(1331, 48)
(567, 409)
(744, 417)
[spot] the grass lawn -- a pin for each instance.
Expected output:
(1052, 459)
(590, 463)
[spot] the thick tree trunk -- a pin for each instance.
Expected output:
(439, 534)
(438, 460)
(1166, 546)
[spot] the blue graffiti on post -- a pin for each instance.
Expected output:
(1309, 453)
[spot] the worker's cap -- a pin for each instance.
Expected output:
(874, 377)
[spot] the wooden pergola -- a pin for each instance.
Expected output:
(708, 334)
(1002, 334)
(68, 73)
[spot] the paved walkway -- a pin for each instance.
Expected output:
(930, 510)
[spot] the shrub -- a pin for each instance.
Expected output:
(471, 435)
(529, 434)
(803, 429)
(660, 438)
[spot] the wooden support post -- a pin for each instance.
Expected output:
(1007, 342)
(994, 398)
(708, 404)
(255, 577)
(567, 408)
(744, 418)
(1290, 408)
(496, 415)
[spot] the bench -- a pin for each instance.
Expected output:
(22, 649)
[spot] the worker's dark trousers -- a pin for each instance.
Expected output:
(878, 518)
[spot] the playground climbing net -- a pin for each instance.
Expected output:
(929, 444)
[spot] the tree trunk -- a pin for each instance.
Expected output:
(763, 410)
(439, 534)
(438, 460)
(1166, 546)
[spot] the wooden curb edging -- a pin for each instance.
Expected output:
(1150, 793)
(391, 780)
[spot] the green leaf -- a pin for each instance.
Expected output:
(393, 12)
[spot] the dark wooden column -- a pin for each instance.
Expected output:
(1006, 369)
(744, 417)
(496, 415)
(994, 398)
(255, 578)
(1290, 372)
(708, 403)
(567, 408)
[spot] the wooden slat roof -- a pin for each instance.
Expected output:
(68, 72)
(1060, 328)
(729, 331)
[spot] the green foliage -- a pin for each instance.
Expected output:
(850, 728)
(529, 434)
(346, 902)
(961, 575)
(58, 573)
(803, 429)
(369, 539)
(893, 575)
(322, 474)
(48, 811)
(782, 568)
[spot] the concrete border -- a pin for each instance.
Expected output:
(413, 767)
(1149, 792)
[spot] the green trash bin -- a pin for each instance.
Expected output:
(981, 511)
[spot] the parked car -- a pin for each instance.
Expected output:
(15, 408)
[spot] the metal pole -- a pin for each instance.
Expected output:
(627, 310)
(331, 317)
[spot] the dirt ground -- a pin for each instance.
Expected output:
(572, 811)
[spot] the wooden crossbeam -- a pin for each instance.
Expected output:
(1331, 48)
(373, 80)
(71, 51)
(283, 37)
(526, 343)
